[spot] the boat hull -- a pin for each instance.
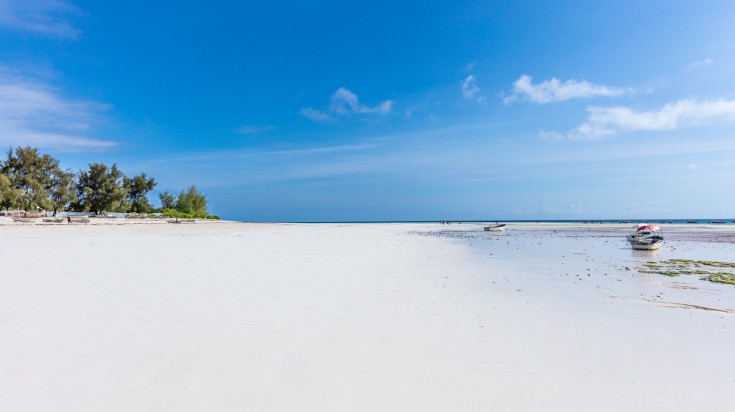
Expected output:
(646, 246)
(495, 228)
(22, 219)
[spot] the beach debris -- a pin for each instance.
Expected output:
(712, 271)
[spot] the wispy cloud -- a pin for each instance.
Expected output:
(253, 129)
(551, 135)
(428, 154)
(33, 113)
(698, 64)
(315, 115)
(325, 149)
(638, 208)
(218, 156)
(272, 165)
(471, 91)
(605, 122)
(555, 90)
(344, 103)
(571, 208)
(49, 17)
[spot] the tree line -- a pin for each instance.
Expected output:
(31, 181)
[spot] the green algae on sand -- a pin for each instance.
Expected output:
(721, 277)
(676, 267)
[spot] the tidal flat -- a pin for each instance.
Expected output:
(391, 317)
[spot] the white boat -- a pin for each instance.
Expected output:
(52, 220)
(177, 220)
(78, 219)
(645, 237)
(495, 228)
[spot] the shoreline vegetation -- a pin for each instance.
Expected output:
(34, 185)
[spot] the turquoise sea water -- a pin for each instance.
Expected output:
(599, 221)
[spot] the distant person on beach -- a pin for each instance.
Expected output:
(68, 219)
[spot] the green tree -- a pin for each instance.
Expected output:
(168, 201)
(137, 190)
(32, 174)
(8, 194)
(100, 189)
(62, 192)
(192, 201)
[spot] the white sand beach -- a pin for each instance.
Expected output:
(359, 317)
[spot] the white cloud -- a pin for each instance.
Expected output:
(609, 121)
(345, 103)
(700, 63)
(325, 149)
(554, 90)
(40, 16)
(33, 113)
(314, 114)
(471, 91)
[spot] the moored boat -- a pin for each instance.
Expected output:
(78, 219)
(495, 228)
(52, 220)
(645, 237)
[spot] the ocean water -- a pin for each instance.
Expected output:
(618, 221)
(589, 221)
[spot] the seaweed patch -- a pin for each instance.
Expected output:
(709, 270)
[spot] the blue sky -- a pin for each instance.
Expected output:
(386, 110)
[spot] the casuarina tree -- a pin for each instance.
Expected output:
(138, 188)
(100, 189)
(192, 201)
(32, 176)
